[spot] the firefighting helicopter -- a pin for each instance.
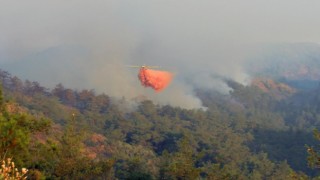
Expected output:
(144, 67)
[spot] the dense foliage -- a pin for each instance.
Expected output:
(69, 134)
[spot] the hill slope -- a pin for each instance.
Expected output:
(232, 134)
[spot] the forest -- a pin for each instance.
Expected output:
(265, 130)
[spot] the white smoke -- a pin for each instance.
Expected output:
(87, 44)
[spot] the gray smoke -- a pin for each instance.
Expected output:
(87, 44)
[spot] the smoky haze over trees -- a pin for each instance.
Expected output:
(85, 44)
(243, 103)
(248, 134)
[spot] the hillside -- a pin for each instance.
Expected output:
(296, 64)
(242, 135)
(276, 89)
(168, 90)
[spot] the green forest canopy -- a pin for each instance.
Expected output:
(69, 134)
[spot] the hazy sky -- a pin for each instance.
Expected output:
(88, 43)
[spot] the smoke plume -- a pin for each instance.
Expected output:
(87, 44)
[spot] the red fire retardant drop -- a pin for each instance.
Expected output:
(157, 80)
